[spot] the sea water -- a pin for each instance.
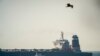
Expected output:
(97, 53)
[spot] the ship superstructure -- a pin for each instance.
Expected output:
(65, 50)
(65, 46)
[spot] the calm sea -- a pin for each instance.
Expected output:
(97, 53)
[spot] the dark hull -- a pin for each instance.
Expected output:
(44, 54)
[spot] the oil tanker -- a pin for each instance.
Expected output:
(64, 49)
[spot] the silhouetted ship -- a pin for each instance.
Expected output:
(65, 49)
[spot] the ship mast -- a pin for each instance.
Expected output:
(61, 41)
(62, 36)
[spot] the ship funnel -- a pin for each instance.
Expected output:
(75, 44)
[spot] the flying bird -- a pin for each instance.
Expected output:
(69, 5)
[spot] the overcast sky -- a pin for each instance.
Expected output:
(37, 23)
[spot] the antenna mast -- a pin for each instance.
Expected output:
(62, 35)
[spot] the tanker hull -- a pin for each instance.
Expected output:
(44, 54)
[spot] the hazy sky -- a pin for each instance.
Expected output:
(37, 23)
